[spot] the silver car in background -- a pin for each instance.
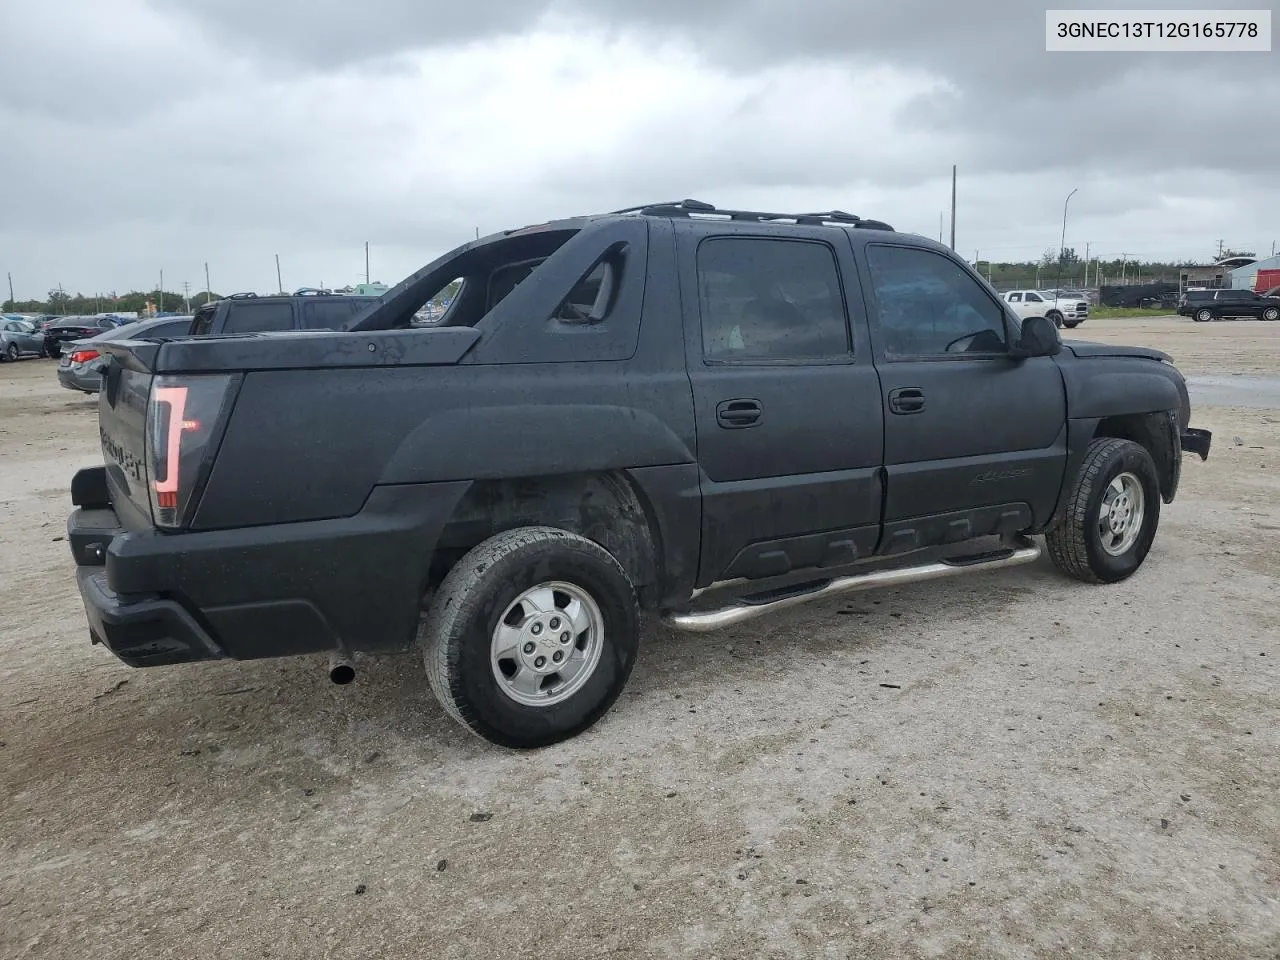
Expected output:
(20, 338)
(80, 366)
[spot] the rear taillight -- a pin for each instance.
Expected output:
(84, 356)
(184, 416)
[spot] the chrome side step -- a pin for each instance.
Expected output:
(1025, 551)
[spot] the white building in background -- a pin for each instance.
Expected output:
(1246, 277)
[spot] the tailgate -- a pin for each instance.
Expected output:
(122, 426)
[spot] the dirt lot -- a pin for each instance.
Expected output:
(1056, 770)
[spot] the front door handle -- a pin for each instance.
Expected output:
(906, 400)
(736, 414)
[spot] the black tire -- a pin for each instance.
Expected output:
(1075, 541)
(1203, 316)
(1072, 324)
(12, 353)
(1271, 313)
(1056, 317)
(456, 634)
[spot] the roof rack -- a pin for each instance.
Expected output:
(697, 209)
(312, 292)
(240, 296)
(685, 204)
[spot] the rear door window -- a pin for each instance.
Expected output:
(259, 317)
(763, 299)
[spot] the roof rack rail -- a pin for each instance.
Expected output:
(686, 204)
(241, 296)
(312, 292)
(697, 209)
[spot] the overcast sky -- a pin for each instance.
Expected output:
(141, 135)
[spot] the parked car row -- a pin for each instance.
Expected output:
(44, 336)
(77, 341)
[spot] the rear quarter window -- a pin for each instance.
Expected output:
(259, 317)
(327, 314)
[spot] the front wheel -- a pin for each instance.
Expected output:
(12, 353)
(531, 637)
(1072, 324)
(1056, 317)
(1111, 514)
(1204, 316)
(1271, 313)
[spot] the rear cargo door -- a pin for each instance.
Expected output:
(122, 426)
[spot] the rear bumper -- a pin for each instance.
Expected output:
(1197, 441)
(145, 631)
(347, 584)
(88, 383)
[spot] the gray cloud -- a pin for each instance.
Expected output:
(185, 130)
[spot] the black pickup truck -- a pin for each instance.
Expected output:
(702, 413)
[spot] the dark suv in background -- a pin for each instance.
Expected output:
(1205, 305)
(305, 309)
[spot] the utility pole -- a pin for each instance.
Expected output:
(1086, 265)
(13, 304)
(1062, 246)
(953, 206)
(477, 233)
(186, 296)
(208, 287)
(366, 261)
(941, 221)
(160, 305)
(279, 282)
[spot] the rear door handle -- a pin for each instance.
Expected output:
(736, 414)
(906, 400)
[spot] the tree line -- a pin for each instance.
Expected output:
(1066, 269)
(61, 303)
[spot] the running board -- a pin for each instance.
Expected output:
(1026, 551)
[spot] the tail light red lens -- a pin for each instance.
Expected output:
(84, 356)
(184, 415)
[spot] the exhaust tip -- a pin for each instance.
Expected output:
(341, 671)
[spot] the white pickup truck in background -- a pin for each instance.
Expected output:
(1064, 308)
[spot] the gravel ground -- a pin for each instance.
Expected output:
(1007, 765)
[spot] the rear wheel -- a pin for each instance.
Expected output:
(1111, 515)
(1271, 313)
(1204, 316)
(531, 637)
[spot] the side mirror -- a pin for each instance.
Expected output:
(1039, 339)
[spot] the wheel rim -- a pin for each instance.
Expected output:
(1271, 314)
(1204, 315)
(1121, 513)
(12, 351)
(547, 644)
